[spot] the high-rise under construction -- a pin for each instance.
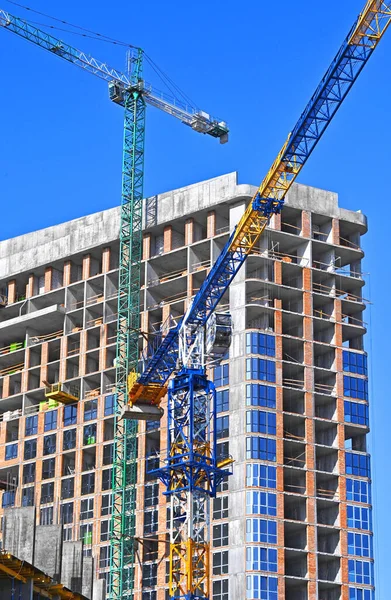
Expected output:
(294, 519)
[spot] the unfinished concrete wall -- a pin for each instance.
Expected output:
(48, 546)
(19, 532)
(72, 566)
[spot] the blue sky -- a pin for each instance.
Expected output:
(61, 138)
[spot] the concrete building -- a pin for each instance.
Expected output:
(294, 519)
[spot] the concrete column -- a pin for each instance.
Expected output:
(106, 255)
(335, 232)
(83, 350)
(146, 246)
(88, 567)
(72, 566)
(167, 243)
(189, 231)
(99, 590)
(63, 355)
(48, 279)
(6, 386)
(211, 224)
(30, 287)
(67, 274)
(86, 268)
(11, 291)
(306, 224)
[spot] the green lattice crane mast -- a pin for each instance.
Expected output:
(131, 92)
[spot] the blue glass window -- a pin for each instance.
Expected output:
(221, 375)
(222, 427)
(260, 369)
(261, 530)
(259, 421)
(109, 405)
(260, 343)
(30, 449)
(361, 594)
(355, 412)
(260, 587)
(50, 420)
(261, 503)
(355, 387)
(357, 464)
(91, 409)
(355, 363)
(260, 395)
(259, 475)
(359, 517)
(261, 559)
(260, 447)
(70, 415)
(31, 425)
(222, 401)
(11, 451)
(360, 544)
(361, 571)
(358, 491)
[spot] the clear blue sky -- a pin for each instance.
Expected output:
(253, 64)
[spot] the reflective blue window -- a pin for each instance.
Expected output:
(261, 503)
(261, 559)
(261, 530)
(11, 451)
(260, 343)
(51, 420)
(109, 404)
(260, 587)
(261, 369)
(222, 401)
(355, 412)
(361, 594)
(70, 415)
(357, 464)
(31, 425)
(221, 375)
(260, 447)
(355, 387)
(360, 571)
(259, 475)
(359, 517)
(358, 491)
(360, 544)
(260, 395)
(222, 427)
(355, 363)
(259, 421)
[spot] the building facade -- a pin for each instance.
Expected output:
(294, 519)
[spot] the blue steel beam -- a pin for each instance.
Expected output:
(313, 122)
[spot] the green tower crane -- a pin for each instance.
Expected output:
(133, 94)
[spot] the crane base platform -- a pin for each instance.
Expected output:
(142, 412)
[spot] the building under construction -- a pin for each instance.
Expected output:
(294, 518)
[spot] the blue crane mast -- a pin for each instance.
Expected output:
(192, 471)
